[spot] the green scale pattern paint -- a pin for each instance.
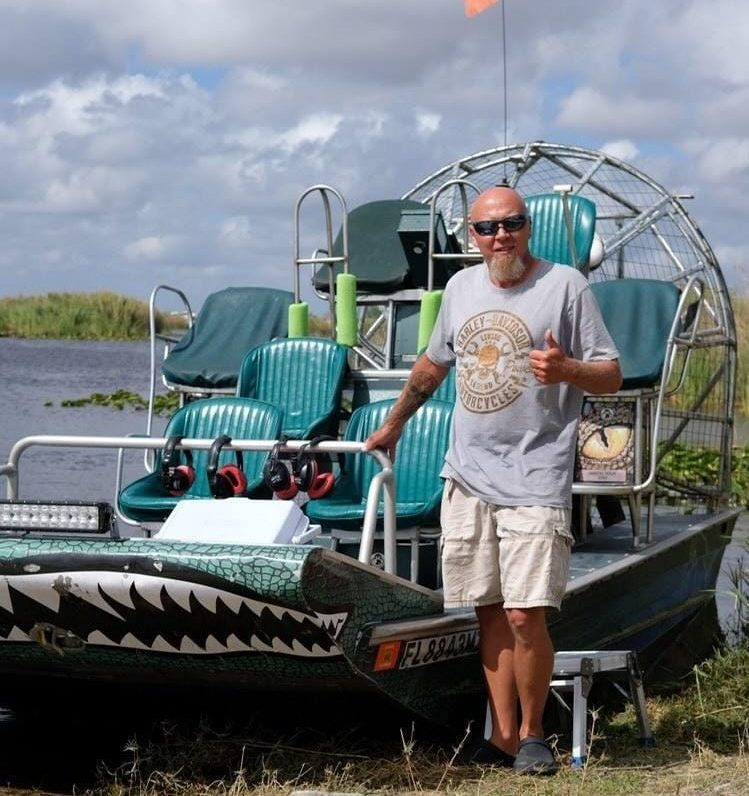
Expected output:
(292, 580)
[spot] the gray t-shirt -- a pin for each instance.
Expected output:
(512, 440)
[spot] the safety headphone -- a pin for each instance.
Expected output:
(308, 475)
(176, 478)
(276, 475)
(229, 480)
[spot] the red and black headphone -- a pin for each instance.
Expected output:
(276, 474)
(176, 477)
(313, 471)
(229, 480)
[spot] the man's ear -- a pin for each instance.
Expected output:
(471, 233)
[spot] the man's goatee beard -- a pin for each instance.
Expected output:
(503, 271)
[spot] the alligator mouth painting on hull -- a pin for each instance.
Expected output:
(180, 611)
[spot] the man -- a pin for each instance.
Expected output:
(528, 341)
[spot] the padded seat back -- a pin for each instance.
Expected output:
(240, 418)
(388, 247)
(446, 389)
(639, 314)
(420, 454)
(304, 376)
(229, 324)
(549, 239)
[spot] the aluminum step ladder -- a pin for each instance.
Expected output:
(575, 671)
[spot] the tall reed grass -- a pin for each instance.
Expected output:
(741, 315)
(81, 316)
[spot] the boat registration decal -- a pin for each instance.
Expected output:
(435, 649)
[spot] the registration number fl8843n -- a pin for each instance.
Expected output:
(423, 651)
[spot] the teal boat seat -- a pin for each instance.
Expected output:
(446, 389)
(639, 314)
(302, 375)
(229, 324)
(388, 247)
(420, 454)
(146, 500)
(651, 322)
(549, 238)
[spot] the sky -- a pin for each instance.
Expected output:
(167, 141)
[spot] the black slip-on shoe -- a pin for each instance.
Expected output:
(535, 757)
(485, 753)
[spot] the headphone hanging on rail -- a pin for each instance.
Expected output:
(276, 475)
(176, 477)
(313, 471)
(229, 480)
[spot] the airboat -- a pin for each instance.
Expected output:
(263, 550)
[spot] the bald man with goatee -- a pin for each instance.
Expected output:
(528, 342)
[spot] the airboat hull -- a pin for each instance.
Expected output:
(304, 619)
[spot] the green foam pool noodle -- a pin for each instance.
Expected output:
(430, 307)
(346, 323)
(299, 319)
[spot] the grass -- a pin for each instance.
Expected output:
(79, 316)
(702, 747)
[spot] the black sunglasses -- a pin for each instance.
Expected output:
(509, 224)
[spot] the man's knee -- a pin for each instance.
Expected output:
(527, 624)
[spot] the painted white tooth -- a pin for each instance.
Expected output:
(319, 652)
(214, 646)
(188, 646)
(121, 592)
(97, 637)
(333, 623)
(38, 588)
(87, 589)
(234, 644)
(131, 642)
(180, 592)
(278, 611)
(206, 597)
(5, 602)
(232, 601)
(279, 646)
(259, 645)
(150, 590)
(160, 644)
(16, 634)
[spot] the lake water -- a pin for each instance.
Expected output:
(37, 375)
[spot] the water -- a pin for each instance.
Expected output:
(37, 376)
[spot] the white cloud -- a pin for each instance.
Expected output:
(627, 114)
(427, 123)
(318, 128)
(153, 247)
(623, 149)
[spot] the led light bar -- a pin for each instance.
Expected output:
(49, 516)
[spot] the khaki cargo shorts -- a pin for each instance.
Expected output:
(516, 555)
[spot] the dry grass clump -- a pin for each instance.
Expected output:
(702, 747)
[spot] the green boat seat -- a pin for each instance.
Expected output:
(388, 247)
(146, 500)
(302, 375)
(639, 314)
(229, 324)
(421, 451)
(549, 238)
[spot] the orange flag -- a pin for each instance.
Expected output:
(474, 7)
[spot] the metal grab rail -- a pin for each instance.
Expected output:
(383, 482)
